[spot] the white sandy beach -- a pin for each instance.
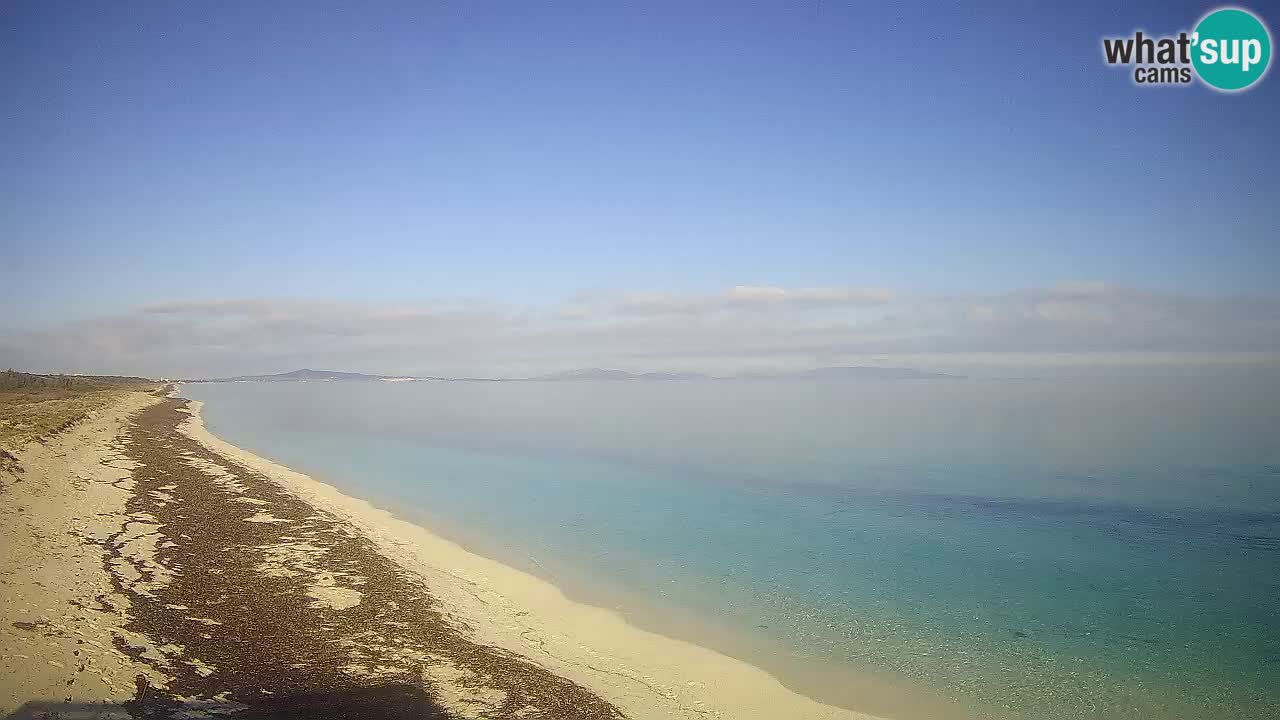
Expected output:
(644, 674)
(61, 618)
(62, 622)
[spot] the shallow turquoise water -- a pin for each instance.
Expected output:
(1103, 547)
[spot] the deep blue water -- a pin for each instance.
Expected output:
(1090, 547)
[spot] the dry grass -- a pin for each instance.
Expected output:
(34, 407)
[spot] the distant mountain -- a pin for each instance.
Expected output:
(673, 376)
(822, 373)
(587, 374)
(307, 375)
(868, 373)
(602, 374)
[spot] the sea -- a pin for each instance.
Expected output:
(1072, 545)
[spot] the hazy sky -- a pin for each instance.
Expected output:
(487, 187)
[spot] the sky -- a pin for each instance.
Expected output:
(497, 188)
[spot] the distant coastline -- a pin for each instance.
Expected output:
(872, 372)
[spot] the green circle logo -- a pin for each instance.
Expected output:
(1232, 49)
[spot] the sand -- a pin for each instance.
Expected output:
(61, 620)
(644, 674)
(140, 545)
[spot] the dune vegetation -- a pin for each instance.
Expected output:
(33, 407)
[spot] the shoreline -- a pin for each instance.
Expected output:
(845, 687)
(151, 567)
(644, 674)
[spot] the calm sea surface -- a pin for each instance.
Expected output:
(1104, 547)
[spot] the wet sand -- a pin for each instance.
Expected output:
(227, 585)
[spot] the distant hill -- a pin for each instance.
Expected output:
(587, 374)
(674, 376)
(853, 372)
(822, 373)
(307, 375)
(870, 373)
(602, 374)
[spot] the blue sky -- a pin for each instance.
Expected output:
(515, 156)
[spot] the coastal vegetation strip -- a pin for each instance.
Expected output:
(34, 407)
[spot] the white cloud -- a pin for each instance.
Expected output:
(747, 297)
(741, 326)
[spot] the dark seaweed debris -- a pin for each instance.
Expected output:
(231, 635)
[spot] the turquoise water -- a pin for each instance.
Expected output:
(1096, 547)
